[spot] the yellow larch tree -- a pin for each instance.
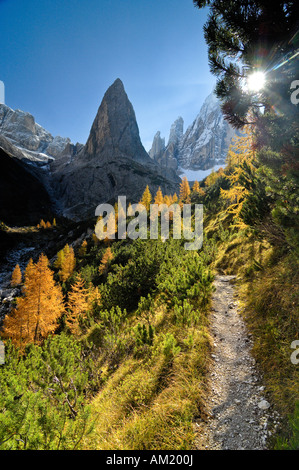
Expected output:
(29, 268)
(16, 277)
(38, 310)
(185, 190)
(146, 198)
(167, 200)
(94, 296)
(196, 186)
(197, 189)
(59, 259)
(68, 263)
(77, 306)
(241, 151)
(105, 261)
(159, 197)
(43, 224)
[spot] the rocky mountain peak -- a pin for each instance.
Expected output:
(176, 131)
(113, 162)
(115, 128)
(158, 146)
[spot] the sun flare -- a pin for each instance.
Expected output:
(256, 81)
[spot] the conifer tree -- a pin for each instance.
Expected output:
(105, 261)
(167, 200)
(37, 312)
(184, 190)
(175, 198)
(159, 197)
(68, 263)
(197, 189)
(43, 224)
(16, 278)
(29, 268)
(146, 198)
(77, 306)
(59, 259)
(240, 158)
(196, 186)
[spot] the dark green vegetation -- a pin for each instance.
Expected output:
(142, 347)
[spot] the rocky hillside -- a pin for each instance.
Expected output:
(35, 142)
(203, 145)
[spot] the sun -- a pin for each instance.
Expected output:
(256, 81)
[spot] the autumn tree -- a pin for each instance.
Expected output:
(105, 261)
(77, 306)
(16, 278)
(29, 268)
(66, 261)
(38, 310)
(196, 186)
(42, 224)
(240, 161)
(159, 197)
(167, 200)
(146, 198)
(184, 190)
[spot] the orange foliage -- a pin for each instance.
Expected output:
(16, 278)
(38, 311)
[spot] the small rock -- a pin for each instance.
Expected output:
(264, 405)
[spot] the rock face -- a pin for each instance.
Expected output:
(167, 156)
(158, 146)
(203, 145)
(112, 163)
(21, 130)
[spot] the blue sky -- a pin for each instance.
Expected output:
(57, 59)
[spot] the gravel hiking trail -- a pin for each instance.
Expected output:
(239, 415)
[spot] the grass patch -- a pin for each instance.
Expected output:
(151, 403)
